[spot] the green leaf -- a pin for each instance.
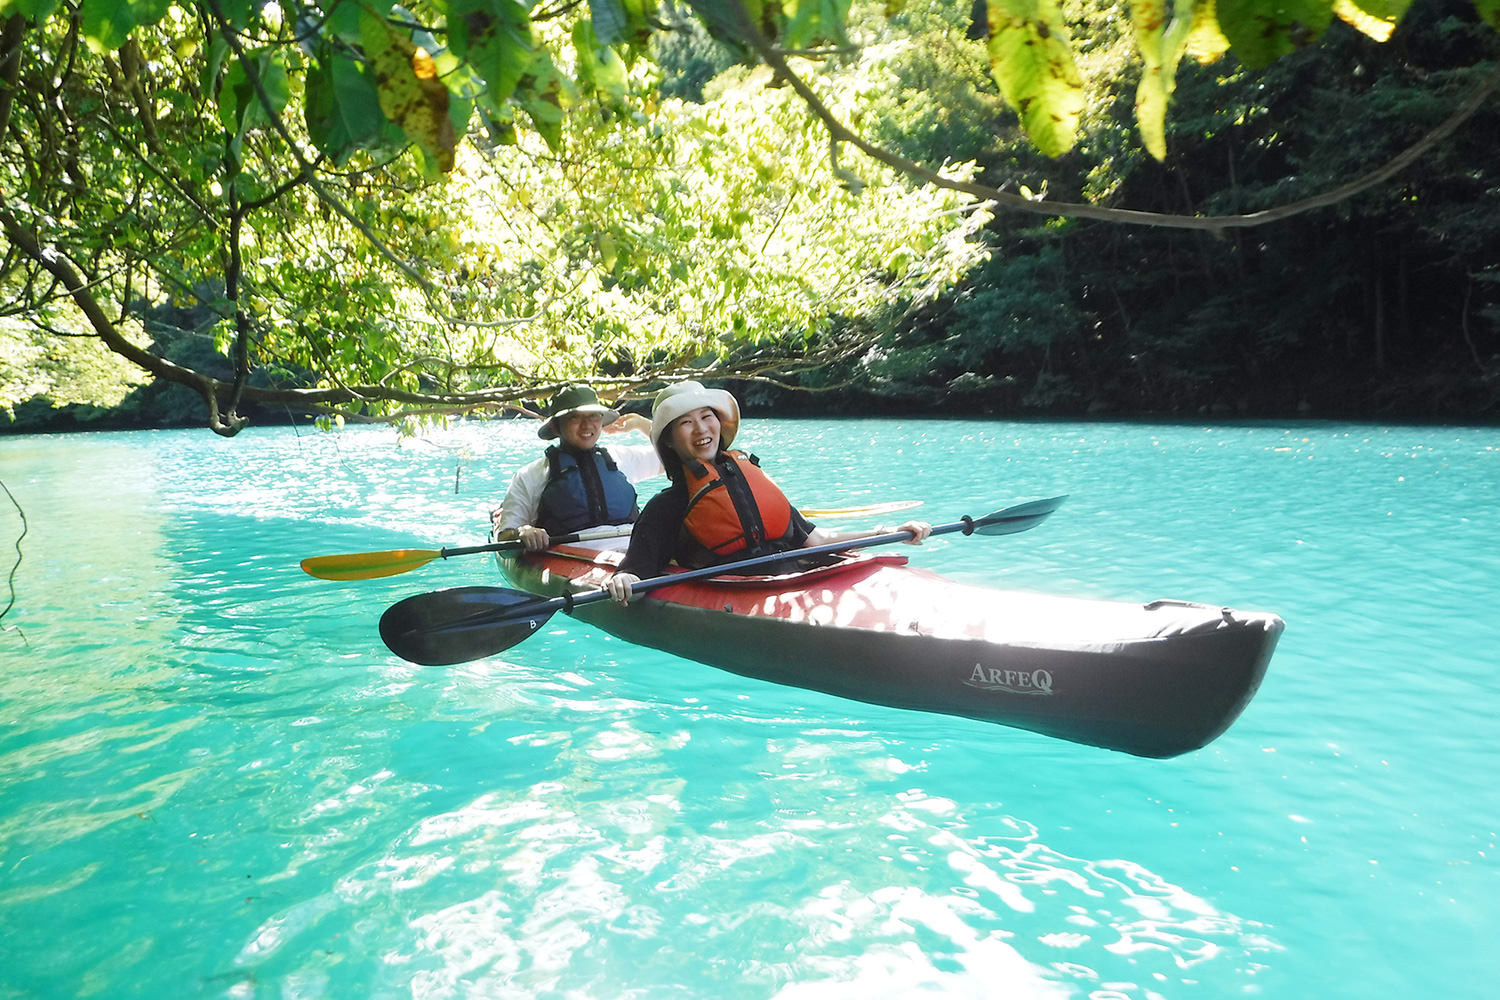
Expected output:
(1489, 12)
(598, 65)
(1262, 31)
(33, 10)
(344, 19)
(541, 95)
(148, 12)
(343, 110)
(1031, 58)
(810, 22)
(358, 103)
(323, 127)
(641, 15)
(1161, 43)
(494, 36)
(237, 12)
(208, 79)
(240, 106)
(609, 20)
(106, 24)
(274, 81)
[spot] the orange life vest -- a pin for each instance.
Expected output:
(734, 508)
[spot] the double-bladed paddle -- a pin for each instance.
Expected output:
(466, 623)
(871, 510)
(372, 565)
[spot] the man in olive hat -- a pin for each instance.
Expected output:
(577, 484)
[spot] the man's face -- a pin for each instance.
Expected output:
(580, 431)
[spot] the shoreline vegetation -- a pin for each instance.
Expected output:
(1416, 397)
(1311, 232)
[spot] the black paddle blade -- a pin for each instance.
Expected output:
(1018, 518)
(461, 624)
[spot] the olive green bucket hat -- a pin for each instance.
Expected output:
(573, 399)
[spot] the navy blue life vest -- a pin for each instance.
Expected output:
(583, 490)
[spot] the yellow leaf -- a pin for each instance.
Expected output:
(1206, 42)
(1376, 27)
(1031, 58)
(411, 95)
(1151, 113)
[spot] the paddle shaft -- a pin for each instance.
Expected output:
(465, 623)
(538, 611)
(667, 579)
(371, 565)
(391, 562)
(515, 543)
(1016, 518)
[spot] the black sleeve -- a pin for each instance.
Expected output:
(801, 527)
(654, 537)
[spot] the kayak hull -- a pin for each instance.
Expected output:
(1153, 680)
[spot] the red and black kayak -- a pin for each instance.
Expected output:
(1155, 680)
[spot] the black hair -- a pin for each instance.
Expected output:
(670, 463)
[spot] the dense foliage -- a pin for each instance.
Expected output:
(401, 212)
(1385, 303)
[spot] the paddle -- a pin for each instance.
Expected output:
(372, 565)
(466, 623)
(873, 510)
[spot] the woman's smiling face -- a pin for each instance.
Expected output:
(695, 435)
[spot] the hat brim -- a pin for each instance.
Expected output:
(679, 404)
(549, 430)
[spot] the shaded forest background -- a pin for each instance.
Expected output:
(1383, 306)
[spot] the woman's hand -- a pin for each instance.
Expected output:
(534, 539)
(919, 532)
(619, 587)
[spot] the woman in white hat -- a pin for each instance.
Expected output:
(577, 484)
(720, 506)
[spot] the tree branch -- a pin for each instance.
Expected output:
(731, 16)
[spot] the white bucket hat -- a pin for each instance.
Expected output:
(684, 397)
(574, 399)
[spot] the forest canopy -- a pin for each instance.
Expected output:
(368, 211)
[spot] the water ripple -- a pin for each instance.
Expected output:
(216, 781)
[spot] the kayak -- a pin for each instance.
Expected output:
(1154, 680)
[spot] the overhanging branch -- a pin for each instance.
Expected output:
(337, 400)
(731, 16)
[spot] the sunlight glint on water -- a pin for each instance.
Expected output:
(215, 781)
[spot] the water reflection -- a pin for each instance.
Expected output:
(214, 780)
(610, 877)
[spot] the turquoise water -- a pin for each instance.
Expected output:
(215, 781)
